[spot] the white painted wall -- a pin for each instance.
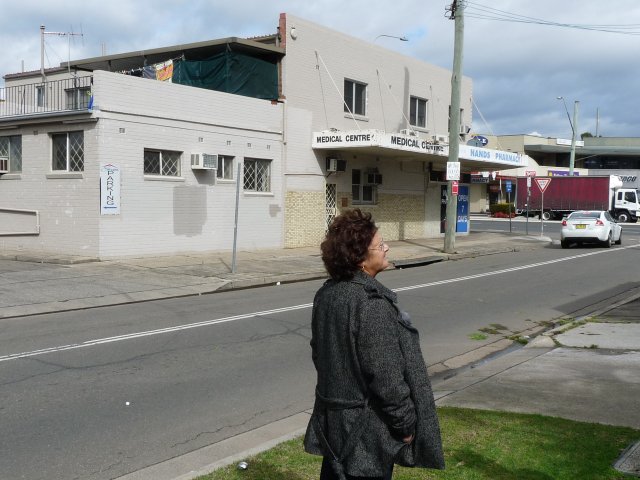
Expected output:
(193, 212)
(317, 61)
(68, 221)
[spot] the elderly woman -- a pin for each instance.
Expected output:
(374, 405)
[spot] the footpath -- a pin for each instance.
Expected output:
(586, 373)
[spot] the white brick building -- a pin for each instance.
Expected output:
(56, 137)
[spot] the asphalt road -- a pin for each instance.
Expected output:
(549, 228)
(164, 378)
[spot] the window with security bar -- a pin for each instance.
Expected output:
(225, 167)
(257, 175)
(68, 152)
(11, 147)
(165, 163)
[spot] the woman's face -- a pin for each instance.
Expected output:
(376, 259)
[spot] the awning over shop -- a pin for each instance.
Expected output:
(406, 147)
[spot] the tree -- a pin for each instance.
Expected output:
(585, 135)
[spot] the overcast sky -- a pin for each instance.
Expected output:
(518, 68)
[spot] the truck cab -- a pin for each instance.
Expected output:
(626, 206)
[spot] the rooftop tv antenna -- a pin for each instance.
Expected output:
(60, 34)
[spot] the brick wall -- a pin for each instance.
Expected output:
(305, 220)
(398, 217)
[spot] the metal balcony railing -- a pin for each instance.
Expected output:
(70, 94)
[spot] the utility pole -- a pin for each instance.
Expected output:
(574, 132)
(457, 8)
(572, 155)
(44, 78)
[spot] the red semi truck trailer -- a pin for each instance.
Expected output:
(564, 195)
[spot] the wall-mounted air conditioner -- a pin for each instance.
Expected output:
(336, 165)
(4, 165)
(409, 132)
(374, 178)
(464, 129)
(440, 138)
(204, 161)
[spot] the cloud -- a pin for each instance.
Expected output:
(518, 68)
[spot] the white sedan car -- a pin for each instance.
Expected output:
(588, 226)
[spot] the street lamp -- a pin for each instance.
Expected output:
(402, 39)
(574, 126)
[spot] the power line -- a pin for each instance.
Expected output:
(483, 12)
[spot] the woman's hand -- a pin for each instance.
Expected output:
(408, 439)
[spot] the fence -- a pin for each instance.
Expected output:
(51, 96)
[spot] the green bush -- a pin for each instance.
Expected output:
(501, 208)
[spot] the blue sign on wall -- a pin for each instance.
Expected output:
(482, 140)
(462, 219)
(462, 215)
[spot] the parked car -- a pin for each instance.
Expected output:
(589, 226)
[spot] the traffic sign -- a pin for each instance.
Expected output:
(542, 183)
(507, 184)
(454, 188)
(530, 173)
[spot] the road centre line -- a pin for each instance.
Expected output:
(160, 331)
(512, 269)
(148, 333)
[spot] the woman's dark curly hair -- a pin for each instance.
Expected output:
(347, 243)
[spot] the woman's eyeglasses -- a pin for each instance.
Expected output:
(380, 246)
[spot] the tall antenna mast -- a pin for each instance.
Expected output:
(60, 34)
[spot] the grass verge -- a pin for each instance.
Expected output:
(479, 445)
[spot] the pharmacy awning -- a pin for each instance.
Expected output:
(407, 147)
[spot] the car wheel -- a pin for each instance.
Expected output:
(607, 243)
(564, 243)
(619, 241)
(545, 215)
(623, 217)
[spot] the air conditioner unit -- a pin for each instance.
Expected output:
(374, 178)
(408, 131)
(204, 161)
(4, 165)
(464, 129)
(336, 165)
(440, 138)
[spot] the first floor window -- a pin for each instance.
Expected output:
(40, 92)
(461, 119)
(418, 112)
(77, 98)
(162, 162)
(68, 151)
(355, 97)
(257, 175)
(11, 147)
(225, 167)
(362, 193)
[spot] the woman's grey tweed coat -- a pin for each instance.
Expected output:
(363, 346)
